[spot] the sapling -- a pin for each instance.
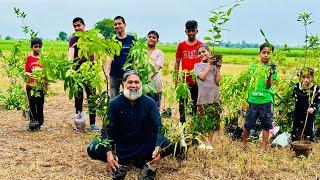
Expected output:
(218, 20)
(140, 61)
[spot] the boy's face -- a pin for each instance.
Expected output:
(119, 26)
(191, 33)
(265, 55)
(152, 40)
(306, 80)
(78, 26)
(36, 49)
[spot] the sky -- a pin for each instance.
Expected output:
(278, 18)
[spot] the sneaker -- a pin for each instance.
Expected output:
(183, 141)
(80, 121)
(209, 147)
(94, 128)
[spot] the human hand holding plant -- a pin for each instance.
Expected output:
(156, 155)
(310, 110)
(112, 161)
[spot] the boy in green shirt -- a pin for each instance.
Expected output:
(261, 98)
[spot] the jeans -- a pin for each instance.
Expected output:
(157, 98)
(115, 83)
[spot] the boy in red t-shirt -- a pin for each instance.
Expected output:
(188, 56)
(36, 101)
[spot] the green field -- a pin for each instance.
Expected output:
(6, 45)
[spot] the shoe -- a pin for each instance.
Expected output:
(183, 141)
(209, 147)
(42, 128)
(94, 128)
(80, 121)
(202, 146)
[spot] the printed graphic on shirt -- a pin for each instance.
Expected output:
(190, 54)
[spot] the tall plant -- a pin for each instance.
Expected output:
(310, 41)
(218, 20)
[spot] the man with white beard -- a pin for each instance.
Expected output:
(133, 132)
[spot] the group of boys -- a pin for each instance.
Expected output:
(148, 145)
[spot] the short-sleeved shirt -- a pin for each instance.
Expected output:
(208, 90)
(118, 62)
(260, 94)
(157, 59)
(189, 57)
(32, 63)
(72, 42)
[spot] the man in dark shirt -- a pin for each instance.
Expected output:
(73, 55)
(114, 67)
(133, 132)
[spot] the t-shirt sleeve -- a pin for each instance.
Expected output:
(72, 41)
(179, 51)
(197, 69)
(27, 66)
(160, 59)
(275, 76)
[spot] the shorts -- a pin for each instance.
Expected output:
(264, 112)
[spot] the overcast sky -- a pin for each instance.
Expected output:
(276, 17)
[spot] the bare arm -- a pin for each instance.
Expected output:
(71, 53)
(202, 76)
(107, 66)
(269, 82)
(218, 77)
(176, 68)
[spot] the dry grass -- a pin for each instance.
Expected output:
(58, 152)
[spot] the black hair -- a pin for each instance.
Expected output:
(191, 24)
(129, 72)
(78, 19)
(121, 18)
(35, 41)
(266, 45)
(306, 71)
(154, 33)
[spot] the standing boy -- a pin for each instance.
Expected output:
(114, 68)
(261, 98)
(187, 55)
(79, 25)
(35, 97)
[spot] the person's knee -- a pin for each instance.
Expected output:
(97, 153)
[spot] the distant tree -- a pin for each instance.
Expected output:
(8, 38)
(106, 27)
(62, 36)
(0, 37)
